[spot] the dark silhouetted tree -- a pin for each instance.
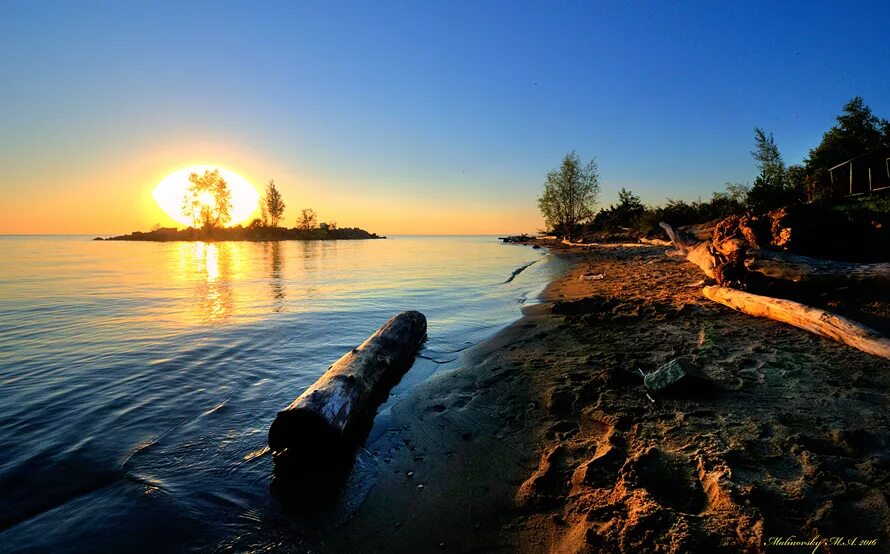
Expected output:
(307, 220)
(208, 201)
(274, 204)
(770, 189)
(858, 131)
(570, 195)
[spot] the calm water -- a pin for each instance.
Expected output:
(139, 379)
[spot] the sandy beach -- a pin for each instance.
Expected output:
(544, 439)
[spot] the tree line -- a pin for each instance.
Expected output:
(208, 202)
(569, 199)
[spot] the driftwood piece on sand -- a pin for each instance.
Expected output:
(699, 253)
(780, 265)
(680, 244)
(655, 242)
(605, 244)
(724, 260)
(699, 231)
(702, 256)
(326, 416)
(807, 318)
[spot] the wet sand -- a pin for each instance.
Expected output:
(543, 440)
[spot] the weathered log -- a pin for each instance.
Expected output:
(655, 242)
(699, 231)
(327, 416)
(804, 317)
(702, 256)
(780, 265)
(679, 243)
(605, 244)
(721, 261)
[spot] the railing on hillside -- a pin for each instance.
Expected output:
(864, 174)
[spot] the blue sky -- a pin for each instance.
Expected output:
(426, 103)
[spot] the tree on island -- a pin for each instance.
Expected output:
(208, 200)
(307, 220)
(570, 195)
(273, 205)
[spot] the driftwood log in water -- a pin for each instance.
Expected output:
(780, 265)
(807, 318)
(326, 418)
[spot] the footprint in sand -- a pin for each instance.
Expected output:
(671, 479)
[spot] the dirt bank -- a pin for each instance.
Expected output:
(544, 440)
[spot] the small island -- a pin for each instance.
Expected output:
(207, 203)
(252, 233)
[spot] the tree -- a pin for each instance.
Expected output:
(625, 214)
(264, 213)
(858, 131)
(208, 200)
(769, 160)
(570, 195)
(307, 219)
(274, 204)
(770, 188)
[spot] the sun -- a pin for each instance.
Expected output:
(169, 194)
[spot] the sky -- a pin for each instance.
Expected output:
(412, 117)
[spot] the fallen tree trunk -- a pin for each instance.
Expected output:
(327, 417)
(780, 265)
(699, 231)
(702, 256)
(804, 317)
(680, 244)
(699, 253)
(605, 244)
(655, 242)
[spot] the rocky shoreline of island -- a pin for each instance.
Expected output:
(238, 233)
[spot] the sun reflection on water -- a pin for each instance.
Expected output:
(214, 296)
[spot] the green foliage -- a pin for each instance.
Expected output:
(770, 189)
(769, 160)
(678, 212)
(858, 131)
(273, 204)
(570, 195)
(625, 214)
(871, 204)
(208, 200)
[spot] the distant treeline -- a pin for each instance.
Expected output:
(569, 198)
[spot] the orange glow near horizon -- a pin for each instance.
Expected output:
(171, 191)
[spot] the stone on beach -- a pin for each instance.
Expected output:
(674, 374)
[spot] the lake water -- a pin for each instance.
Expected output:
(138, 380)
